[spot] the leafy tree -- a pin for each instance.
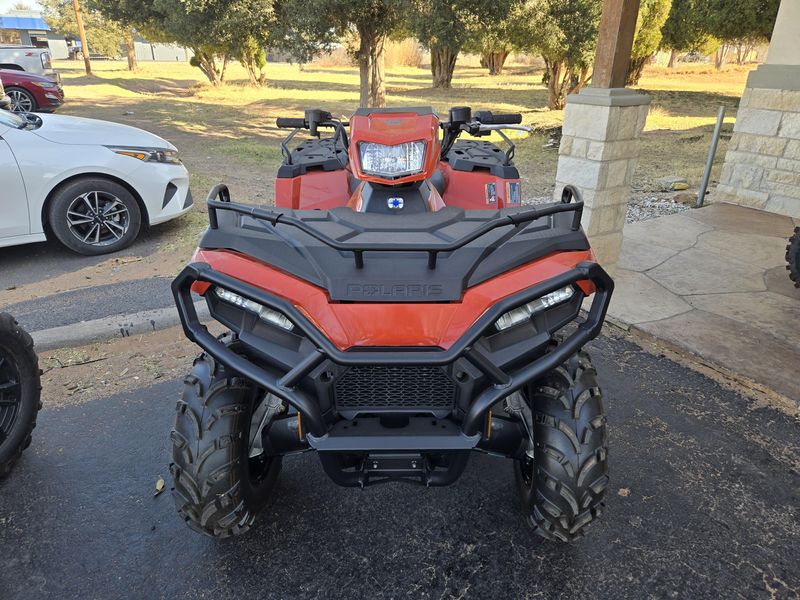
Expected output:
(564, 32)
(214, 30)
(105, 36)
(446, 27)
(652, 16)
(738, 22)
(308, 27)
(684, 29)
(495, 38)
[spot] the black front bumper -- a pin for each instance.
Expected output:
(321, 435)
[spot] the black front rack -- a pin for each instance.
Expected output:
(219, 198)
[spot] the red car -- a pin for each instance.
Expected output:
(29, 92)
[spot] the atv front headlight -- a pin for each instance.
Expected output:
(391, 161)
(525, 312)
(265, 314)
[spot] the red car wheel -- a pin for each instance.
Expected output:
(21, 100)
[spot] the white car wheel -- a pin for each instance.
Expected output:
(95, 216)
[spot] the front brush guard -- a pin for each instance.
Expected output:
(285, 387)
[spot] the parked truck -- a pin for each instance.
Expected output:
(29, 59)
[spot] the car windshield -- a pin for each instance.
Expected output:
(9, 119)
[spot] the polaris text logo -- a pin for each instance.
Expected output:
(397, 290)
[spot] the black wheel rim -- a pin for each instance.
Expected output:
(10, 394)
(98, 218)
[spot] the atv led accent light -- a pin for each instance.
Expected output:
(392, 161)
(525, 312)
(265, 314)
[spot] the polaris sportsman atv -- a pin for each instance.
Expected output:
(397, 310)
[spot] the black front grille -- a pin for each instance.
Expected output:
(388, 387)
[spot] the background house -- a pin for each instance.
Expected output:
(27, 27)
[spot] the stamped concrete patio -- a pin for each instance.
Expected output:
(713, 282)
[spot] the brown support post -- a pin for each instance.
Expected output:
(82, 34)
(614, 43)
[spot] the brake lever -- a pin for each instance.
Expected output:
(499, 127)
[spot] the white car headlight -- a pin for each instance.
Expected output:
(267, 315)
(392, 161)
(156, 155)
(525, 312)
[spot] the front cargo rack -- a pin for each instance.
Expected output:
(219, 198)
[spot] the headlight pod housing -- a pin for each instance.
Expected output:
(391, 162)
(155, 155)
(526, 311)
(272, 317)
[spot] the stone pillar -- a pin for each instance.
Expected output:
(598, 154)
(762, 164)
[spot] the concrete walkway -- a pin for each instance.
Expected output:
(713, 282)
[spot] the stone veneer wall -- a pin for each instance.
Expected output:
(598, 154)
(762, 165)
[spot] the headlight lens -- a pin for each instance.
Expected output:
(46, 84)
(392, 161)
(157, 155)
(523, 313)
(265, 314)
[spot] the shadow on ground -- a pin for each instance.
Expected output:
(703, 504)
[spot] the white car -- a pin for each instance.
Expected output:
(91, 184)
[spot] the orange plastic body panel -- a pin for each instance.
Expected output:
(470, 189)
(348, 325)
(315, 189)
(391, 129)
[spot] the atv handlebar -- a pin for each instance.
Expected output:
(291, 123)
(486, 117)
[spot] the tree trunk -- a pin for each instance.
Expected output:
(581, 80)
(206, 64)
(443, 63)
(377, 82)
(130, 51)
(224, 68)
(495, 61)
(558, 79)
(371, 62)
(673, 56)
(635, 69)
(255, 73)
(719, 56)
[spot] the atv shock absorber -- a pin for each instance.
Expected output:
(516, 405)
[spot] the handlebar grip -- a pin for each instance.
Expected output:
(291, 123)
(507, 119)
(488, 118)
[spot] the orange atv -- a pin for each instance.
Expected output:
(377, 317)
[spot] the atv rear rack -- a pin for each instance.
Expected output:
(286, 386)
(219, 198)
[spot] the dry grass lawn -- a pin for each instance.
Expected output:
(228, 133)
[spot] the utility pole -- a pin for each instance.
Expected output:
(82, 34)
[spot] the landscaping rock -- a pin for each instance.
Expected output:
(672, 183)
